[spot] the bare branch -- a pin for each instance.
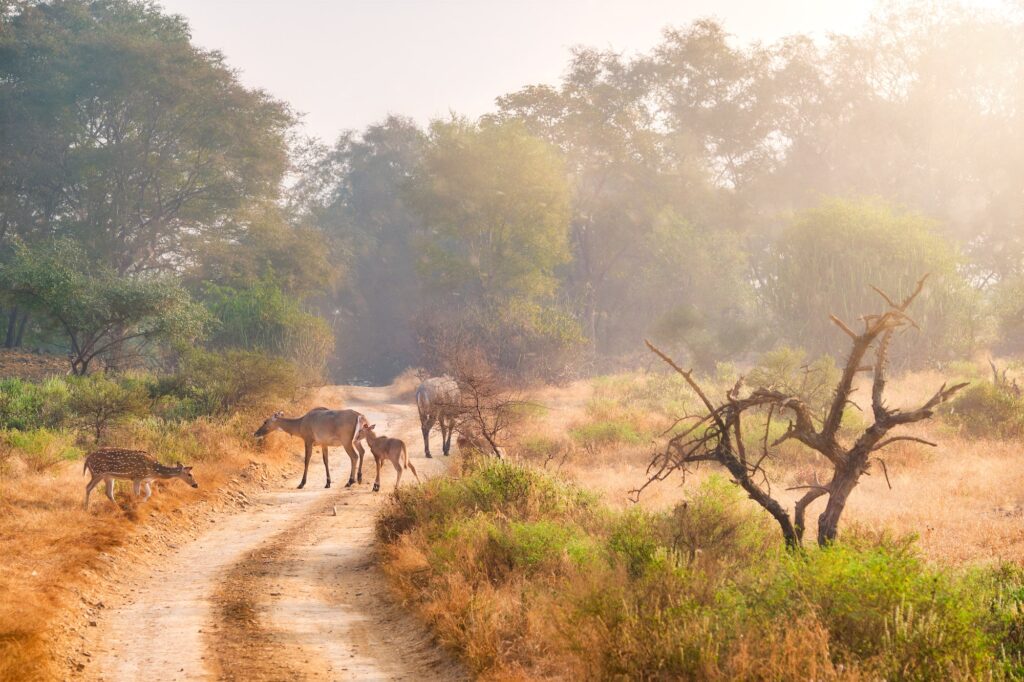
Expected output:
(842, 325)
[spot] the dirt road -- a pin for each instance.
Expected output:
(284, 590)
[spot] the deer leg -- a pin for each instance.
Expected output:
(354, 457)
(327, 467)
(362, 451)
(110, 489)
(376, 482)
(89, 487)
(305, 469)
(397, 462)
(425, 426)
(149, 491)
(408, 463)
(137, 488)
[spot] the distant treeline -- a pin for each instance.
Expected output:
(720, 198)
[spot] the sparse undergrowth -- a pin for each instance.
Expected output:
(526, 576)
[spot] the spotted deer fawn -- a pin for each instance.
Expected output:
(391, 449)
(108, 464)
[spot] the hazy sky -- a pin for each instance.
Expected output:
(347, 63)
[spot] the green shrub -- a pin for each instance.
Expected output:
(97, 402)
(26, 405)
(264, 319)
(219, 383)
(787, 370)
(514, 578)
(986, 410)
(39, 449)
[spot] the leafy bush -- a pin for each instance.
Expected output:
(26, 405)
(38, 449)
(787, 370)
(97, 402)
(218, 383)
(987, 410)
(529, 577)
(264, 319)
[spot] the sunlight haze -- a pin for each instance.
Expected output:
(345, 65)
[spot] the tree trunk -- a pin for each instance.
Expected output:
(12, 321)
(21, 330)
(843, 483)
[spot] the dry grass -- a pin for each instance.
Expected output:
(965, 498)
(49, 543)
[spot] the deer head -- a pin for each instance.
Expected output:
(269, 425)
(185, 474)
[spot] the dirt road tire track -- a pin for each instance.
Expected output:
(286, 590)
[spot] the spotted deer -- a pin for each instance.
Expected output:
(391, 449)
(323, 427)
(109, 464)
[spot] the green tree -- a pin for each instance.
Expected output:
(100, 312)
(119, 132)
(496, 205)
(97, 402)
(828, 259)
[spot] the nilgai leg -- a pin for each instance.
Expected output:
(327, 467)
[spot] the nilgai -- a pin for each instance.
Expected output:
(323, 427)
(438, 400)
(107, 464)
(391, 449)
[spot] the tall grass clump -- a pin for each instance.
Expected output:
(527, 577)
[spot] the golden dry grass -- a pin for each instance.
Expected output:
(49, 543)
(965, 498)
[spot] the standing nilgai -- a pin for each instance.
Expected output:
(322, 427)
(108, 464)
(438, 401)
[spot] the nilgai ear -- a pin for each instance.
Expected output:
(371, 426)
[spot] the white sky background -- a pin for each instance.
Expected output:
(345, 64)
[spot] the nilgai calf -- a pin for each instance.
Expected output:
(322, 427)
(438, 401)
(391, 449)
(109, 464)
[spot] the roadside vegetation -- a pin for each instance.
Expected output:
(527, 576)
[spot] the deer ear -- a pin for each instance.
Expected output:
(178, 464)
(188, 468)
(279, 413)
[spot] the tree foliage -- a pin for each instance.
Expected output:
(100, 312)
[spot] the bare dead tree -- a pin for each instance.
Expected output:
(490, 403)
(715, 434)
(1002, 380)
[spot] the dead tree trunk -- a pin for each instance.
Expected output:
(716, 434)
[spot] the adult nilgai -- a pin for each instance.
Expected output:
(108, 464)
(438, 401)
(323, 427)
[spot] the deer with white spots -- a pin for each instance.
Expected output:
(110, 464)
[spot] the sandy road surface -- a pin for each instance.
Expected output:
(283, 590)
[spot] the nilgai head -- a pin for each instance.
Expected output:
(269, 425)
(367, 430)
(185, 474)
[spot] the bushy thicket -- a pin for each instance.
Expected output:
(264, 319)
(985, 410)
(527, 576)
(205, 384)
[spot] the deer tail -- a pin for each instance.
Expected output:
(85, 465)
